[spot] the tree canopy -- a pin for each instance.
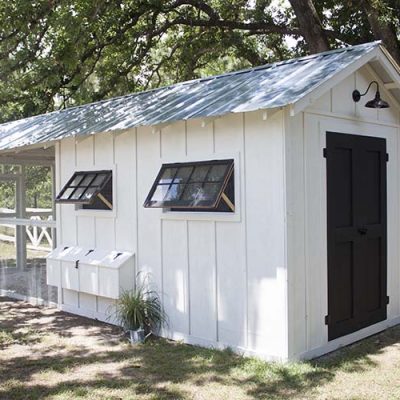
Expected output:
(58, 53)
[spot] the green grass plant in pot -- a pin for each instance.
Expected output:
(139, 311)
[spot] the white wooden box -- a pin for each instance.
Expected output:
(93, 271)
(53, 263)
(116, 274)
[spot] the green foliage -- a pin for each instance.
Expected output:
(38, 187)
(58, 53)
(139, 308)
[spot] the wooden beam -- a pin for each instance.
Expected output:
(392, 85)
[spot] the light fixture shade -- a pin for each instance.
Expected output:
(377, 102)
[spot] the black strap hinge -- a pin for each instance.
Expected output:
(327, 319)
(387, 299)
(325, 152)
(387, 157)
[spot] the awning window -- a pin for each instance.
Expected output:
(86, 188)
(194, 186)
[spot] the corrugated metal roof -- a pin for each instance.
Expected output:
(269, 86)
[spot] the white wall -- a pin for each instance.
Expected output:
(306, 208)
(222, 277)
(97, 229)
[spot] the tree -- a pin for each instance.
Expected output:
(38, 182)
(58, 53)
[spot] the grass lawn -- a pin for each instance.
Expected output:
(46, 354)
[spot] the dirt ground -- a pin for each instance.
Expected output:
(47, 354)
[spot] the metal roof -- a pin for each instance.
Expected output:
(269, 86)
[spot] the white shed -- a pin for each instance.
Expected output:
(261, 202)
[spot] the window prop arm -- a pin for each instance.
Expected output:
(228, 202)
(104, 200)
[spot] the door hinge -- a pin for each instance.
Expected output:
(327, 319)
(325, 152)
(387, 157)
(387, 299)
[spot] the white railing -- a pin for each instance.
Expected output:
(38, 230)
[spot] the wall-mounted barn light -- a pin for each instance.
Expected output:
(377, 102)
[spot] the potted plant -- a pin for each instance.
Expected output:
(139, 312)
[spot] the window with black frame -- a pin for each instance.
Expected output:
(194, 186)
(89, 189)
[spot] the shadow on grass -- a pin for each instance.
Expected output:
(161, 369)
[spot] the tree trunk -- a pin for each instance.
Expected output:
(310, 25)
(381, 30)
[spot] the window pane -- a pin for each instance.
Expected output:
(78, 193)
(168, 175)
(200, 173)
(217, 173)
(174, 193)
(67, 193)
(86, 181)
(159, 194)
(77, 180)
(198, 195)
(99, 180)
(183, 174)
(89, 193)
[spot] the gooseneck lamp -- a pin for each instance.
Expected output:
(377, 102)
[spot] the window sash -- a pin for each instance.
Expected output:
(184, 186)
(76, 189)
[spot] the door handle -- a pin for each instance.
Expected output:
(362, 231)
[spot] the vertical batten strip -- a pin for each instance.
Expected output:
(244, 219)
(216, 281)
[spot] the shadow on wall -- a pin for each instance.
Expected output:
(158, 369)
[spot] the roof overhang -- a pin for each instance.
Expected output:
(378, 60)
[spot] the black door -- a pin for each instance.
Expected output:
(357, 242)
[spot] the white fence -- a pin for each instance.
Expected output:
(38, 228)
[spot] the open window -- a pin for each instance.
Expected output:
(89, 189)
(194, 186)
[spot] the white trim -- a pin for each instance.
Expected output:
(316, 93)
(349, 118)
(211, 344)
(379, 80)
(378, 54)
(348, 339)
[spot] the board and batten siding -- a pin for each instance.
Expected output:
(306, 208)
(222, 278)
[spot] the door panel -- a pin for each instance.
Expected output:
(356, 213)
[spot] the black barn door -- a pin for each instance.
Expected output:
(357, 243)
